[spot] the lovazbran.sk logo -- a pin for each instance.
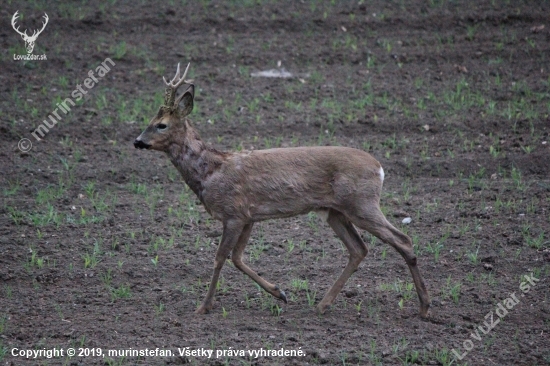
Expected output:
(29, 40)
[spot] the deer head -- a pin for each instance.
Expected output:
(29, 40)
(169, 126)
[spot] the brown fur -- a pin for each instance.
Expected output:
(241, 188)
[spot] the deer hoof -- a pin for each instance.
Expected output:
(321, 309)
(424, 312)
(202, 310)
(282, 296)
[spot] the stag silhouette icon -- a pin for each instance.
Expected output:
(29, 40)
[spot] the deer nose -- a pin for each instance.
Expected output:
(138, 144)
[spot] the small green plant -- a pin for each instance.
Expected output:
(34, 260)
(298, 284)
(463, 228)
(59, 311)
(518, 180)
(527, 149)
(276, 310)
(310, 297)
(443, 356)
(494, 151)
(159, 309)
(411, 357)
(535, 242)
(452, 290)
(3, 320)
(16, 215)
(107, 277)
(3, 350)
(155, 260)
(290, 243)
(122, 292)
(91, 259)
(119, 50)
(455, 292)
(434, 249)
(13, 188)
(473, 256)
(137, 188)
(372, 356)
(9, 291)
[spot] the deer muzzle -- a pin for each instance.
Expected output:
(138, 144)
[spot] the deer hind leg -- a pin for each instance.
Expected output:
(236, 258)
(375, 222)
(231, 232)
(357, 251)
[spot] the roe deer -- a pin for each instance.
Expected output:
(241, 188)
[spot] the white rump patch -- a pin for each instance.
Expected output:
(323, 214)
(381, 174)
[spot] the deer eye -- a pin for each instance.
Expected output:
(161, 126)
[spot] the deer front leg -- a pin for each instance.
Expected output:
(236, 258)
(231, 232)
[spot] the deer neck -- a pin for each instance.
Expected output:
(195, 160)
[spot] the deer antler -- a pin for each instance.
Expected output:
(173, 85)
(180, 81)
(24, 34)
(36, 33)
(13, 20)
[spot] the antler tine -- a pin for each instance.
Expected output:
(184, 74)
(178, 81)
(175, 76)
(13, 20)
(44, 24)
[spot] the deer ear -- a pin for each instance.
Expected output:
(185, 101)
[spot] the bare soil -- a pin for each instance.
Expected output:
(103, 246)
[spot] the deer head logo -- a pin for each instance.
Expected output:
(29, 40)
